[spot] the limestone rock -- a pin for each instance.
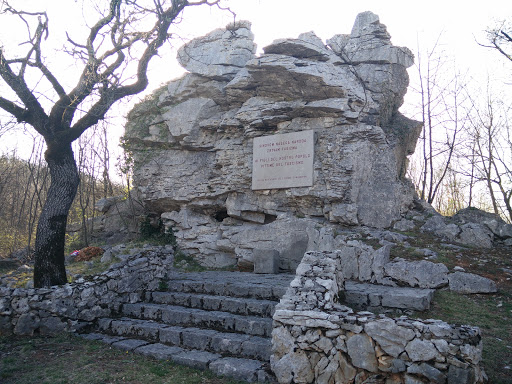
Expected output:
(438, 227)
(362, 352)
(391, 337)
(421, 350)
(306, 46)
(476, 235)
(103, 205)
(220, 54)
(423, 274)
(193, 142)
(404, 225)
(470, 283)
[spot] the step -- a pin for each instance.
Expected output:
(235, 305)
(374, 297)
(224, 343)
(193, 317)
(235, 284)
(239, 368)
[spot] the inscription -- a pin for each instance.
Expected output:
(283, 161)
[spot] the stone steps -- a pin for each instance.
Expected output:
(222, 321)
(193, 317)
(233, 284)
(374, 297)
(225, 343)
(239, 368)
(235, 305)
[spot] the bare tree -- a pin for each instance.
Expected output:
(126, 35)
(500, 39)
(492, 149)
(441, 93)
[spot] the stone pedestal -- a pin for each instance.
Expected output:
(266, 261)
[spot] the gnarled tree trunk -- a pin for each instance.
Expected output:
(51, 230)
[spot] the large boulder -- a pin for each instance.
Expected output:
(193, 141)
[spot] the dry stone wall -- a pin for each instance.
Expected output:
(193, 141)
(317, 340)
(73, 307)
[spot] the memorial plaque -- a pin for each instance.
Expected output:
(283, 161)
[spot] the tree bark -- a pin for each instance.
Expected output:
(49, 266)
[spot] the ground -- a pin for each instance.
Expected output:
(69, 359)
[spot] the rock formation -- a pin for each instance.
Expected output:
(193, 141)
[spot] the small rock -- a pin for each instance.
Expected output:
(404, 225)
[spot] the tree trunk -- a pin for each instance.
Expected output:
(49, 266)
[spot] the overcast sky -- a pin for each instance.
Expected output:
(461, 23)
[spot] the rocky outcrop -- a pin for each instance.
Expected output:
(193, 140)
(471, 226)
(117, 220)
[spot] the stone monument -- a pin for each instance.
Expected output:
(249, 154)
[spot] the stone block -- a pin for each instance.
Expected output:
(257, 348)
(52, 326)
(152, 311)
(148, 330)
(195, 338)
(362, 352)
(230, 343)
(158, 351)
(133, 309)
(266, 260)
(462, 282)
(176, 315)
(240, 369)
(27, 324)
(253, 326)
(233, 305)
(129, 344)
(171, 335)
(195, 359)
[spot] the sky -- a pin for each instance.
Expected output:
(410, 24)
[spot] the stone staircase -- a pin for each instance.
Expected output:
(222, 321)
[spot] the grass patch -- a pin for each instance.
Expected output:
(68, 359)
(88, 268)
(187, 262)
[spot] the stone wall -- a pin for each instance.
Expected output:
(193, 140)
(317, 340)
(75, 306)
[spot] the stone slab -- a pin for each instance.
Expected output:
(195, 359)
(362, 295)
(158, 351)
(283, 161)
(240, 369)
(462, 282)
(129, 344)
(266, 261)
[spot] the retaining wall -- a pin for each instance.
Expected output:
(317, 340)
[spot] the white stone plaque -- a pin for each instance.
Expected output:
(283, 161)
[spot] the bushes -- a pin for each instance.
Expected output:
(155, 232)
